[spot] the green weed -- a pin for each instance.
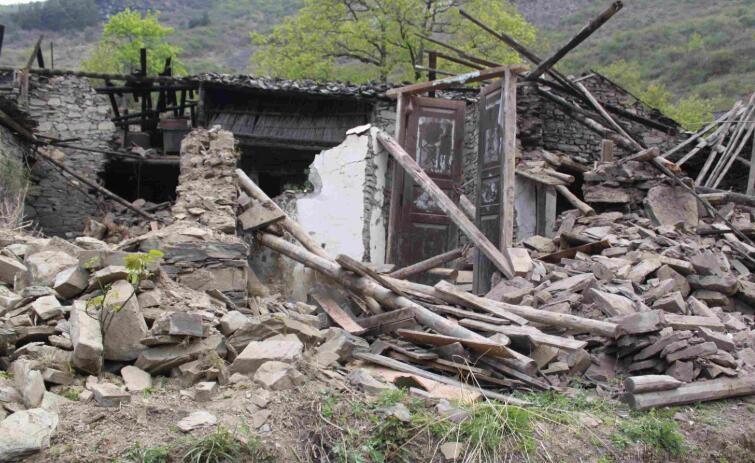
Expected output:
(222, 446)
(139, 454)
(656, 429)
(70, 393)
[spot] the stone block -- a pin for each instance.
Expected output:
(205, 391)
(136, 379)
(26, 432)
(45, 266)
(232, 321)
(672, 303)
(109, 395)
(28, 382)
(86, 337)
(9, 268)
(47, 307)
(278, 376)
(71, 282)
(185, 324)
(258, 352)
(124, 323)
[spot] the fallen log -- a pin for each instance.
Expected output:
(650, 383)
(446, 204)
(576, 202)
(701, 391)
(427, 264)
(572, 322)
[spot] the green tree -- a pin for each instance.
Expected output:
(378, 39)
(124, 35)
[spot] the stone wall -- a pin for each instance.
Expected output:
(67, 107)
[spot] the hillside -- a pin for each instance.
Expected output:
(692, 47)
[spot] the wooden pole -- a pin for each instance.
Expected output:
(397, 182)
(466, 205)
(92, 184)
(290, 225)
(427, 264)
(751, 177)
(507, 127)
(576, 40)
(576, 202)
(446, 204)
(701, 391)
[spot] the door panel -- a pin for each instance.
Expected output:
(489, 180)
(435, 139)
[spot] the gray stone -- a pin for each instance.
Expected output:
(86, 337)
(185, 324)
(726, 284)
(9, 394)
(232, 321)
(711, 298)
(673, 303)
(452, 451)
(205, 391)
(109, 395)
(398, 411)
(124, 323)
(278, 376)
(26, 432)
(61, 342)
(698, 350)
(196, 420)
(136, 379)
(683, 371)
(641, 322)
(52, 402)
(612, 304)
(47, 307)
(45, 266)
(670, 205)
(364, 380)
(721, 340)
(53, 376)
(681, 283)
(28, 382)
(339, 346)
(710, 263)
(8, 299)
(9, 268)
(258, 352)
(91, 244)
(151, 298)
(71, 282)
(265, 326)
(109, 274)
(162, 359)
(540, 244)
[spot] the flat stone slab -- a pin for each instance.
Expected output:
(109, 395)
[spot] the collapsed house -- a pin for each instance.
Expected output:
(490, 231)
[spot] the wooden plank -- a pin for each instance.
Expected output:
(576, 40)
(534, 334)
(397, 182)
(334, 311)
(461, 313)
(482, 347)
(416, 356)
(388, 322)
(258, 215)
(461, 79)
(426, 264)
(700, 391)
(507, 126)
(445, 203)
(406, 368)
(465, 298)
(467, 206)
(650, 383)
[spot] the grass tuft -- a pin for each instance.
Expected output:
(139, 454)
(656, 429)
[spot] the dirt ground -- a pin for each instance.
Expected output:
(326, 421)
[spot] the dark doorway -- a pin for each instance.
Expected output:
(276, 170)
(153, 182)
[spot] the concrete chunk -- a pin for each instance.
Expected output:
(86, 337)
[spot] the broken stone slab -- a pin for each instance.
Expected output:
(205, 391)
(521, 261)
(71, 282)
(665, 272)
(660, 344)
(45, 266)
(28, 382)
(691, 322)
(711, 298)
(47, 307)
(123, 323)
(683, 371)
(710, 263)
(670, 205)
(53, 376)
(232, 321)
(162, 359)
(664, 288)
(26, 432)
(278, 376)
(86, 337)
(641, 322)
(109, 395)
(643, 269)
(197, 420)
(136, 379)
(152, 298)
(612, 305)
(90, 244)
(186, 324)
(575, 283)
(341, 345)
(722, 341)
(288, 349)
(364, 380)
(8, 299)
(727, 284)
(9, 268)
(265, 326)
(540, 244)
(698, 350)
(672, 303)
(107, 275)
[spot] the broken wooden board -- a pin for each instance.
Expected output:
(388, 322)
(334, 311)
(481, 347)
(362, 270)
(435, 389)
(259, 215)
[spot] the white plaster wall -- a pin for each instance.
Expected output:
(378, 226)
(347, 201)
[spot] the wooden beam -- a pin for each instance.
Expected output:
(34, 52)
(446, 204)
(583, 207)
(460, 52)
(530, 332)
(576, 40)
(397, 182)
(700, 391)
(467, 206)
(359, 268)
(481, 347)
(427, 264)
(461, 79)
(335, 312)
(507, 127)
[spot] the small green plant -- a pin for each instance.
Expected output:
(148, 392)
(223, 446)
(6, 375)
(656, 429)
(70, 393)
(139, 454)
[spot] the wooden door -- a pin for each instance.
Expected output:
(434, 137)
